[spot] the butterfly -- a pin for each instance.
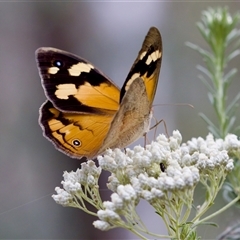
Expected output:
(85, 112)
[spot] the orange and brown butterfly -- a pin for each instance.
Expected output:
(85, 112)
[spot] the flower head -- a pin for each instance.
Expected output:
(136, 174)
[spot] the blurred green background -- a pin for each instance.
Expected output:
(108, 34)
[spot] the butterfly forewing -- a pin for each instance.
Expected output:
(147, 65)
(69, 80)
(133, 118)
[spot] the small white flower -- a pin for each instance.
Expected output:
(101, 225)
(108, 215)
(177, 135)
(156, 193)
(91, 182)
(71, 187)
(184, 149)
(195, 174)
(173, 143)
(230, 165)
(127, 192)
(186, 159)
(168, 183)
(93, 169)
(107, 163)
(117, 201)
(232, 142)
(147, 195)
(142, 178)
(162, 139)
(120, 158)
(152, 182)
(113, 183)
(109, 205)
(62, 197)
(179, 182)
(135, 182)
(173, 171)
(189, 178)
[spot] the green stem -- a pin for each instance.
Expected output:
(217, 212)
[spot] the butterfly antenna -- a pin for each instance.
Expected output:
(174, 104)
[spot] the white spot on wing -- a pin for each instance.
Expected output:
(77, 69)
(134, 76)
(142, 55)
(149, 60)
(53, 70)
(65, 90)
(153, 57)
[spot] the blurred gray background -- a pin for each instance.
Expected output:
(108, 34)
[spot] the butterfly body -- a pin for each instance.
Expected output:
(86, 113)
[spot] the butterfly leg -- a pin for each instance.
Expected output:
(155, 126)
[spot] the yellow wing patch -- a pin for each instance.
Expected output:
(104, 96)
(78, 135)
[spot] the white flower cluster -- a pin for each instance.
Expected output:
(209, 154)
(162, 172)
(120, 202)
(73, 183)
(182, 162)
(140, 169)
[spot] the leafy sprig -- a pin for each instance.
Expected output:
(218, 28)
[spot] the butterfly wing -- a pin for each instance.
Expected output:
(82, 102)
(83, 116)
(133, 118)
(147, 65)
(73, 84)
(76, 134)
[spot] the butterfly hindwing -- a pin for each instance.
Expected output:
(76, 134)
(73, 84)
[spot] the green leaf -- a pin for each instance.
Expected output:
(232, 55)
(230, 124)
(237, 130)
(229, 76)
(215, 131)
(204, 70)
(203, 52)
(206, 83)
(204, 31)
(209, 223)
(232, 104)
(212, 128)
(232, 36)
(211, 98)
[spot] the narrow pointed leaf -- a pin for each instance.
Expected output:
(234, 102)
(232, 55)
(206, 83)
(204, 70)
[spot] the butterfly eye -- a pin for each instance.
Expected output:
(57, 63)
(76, 143)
